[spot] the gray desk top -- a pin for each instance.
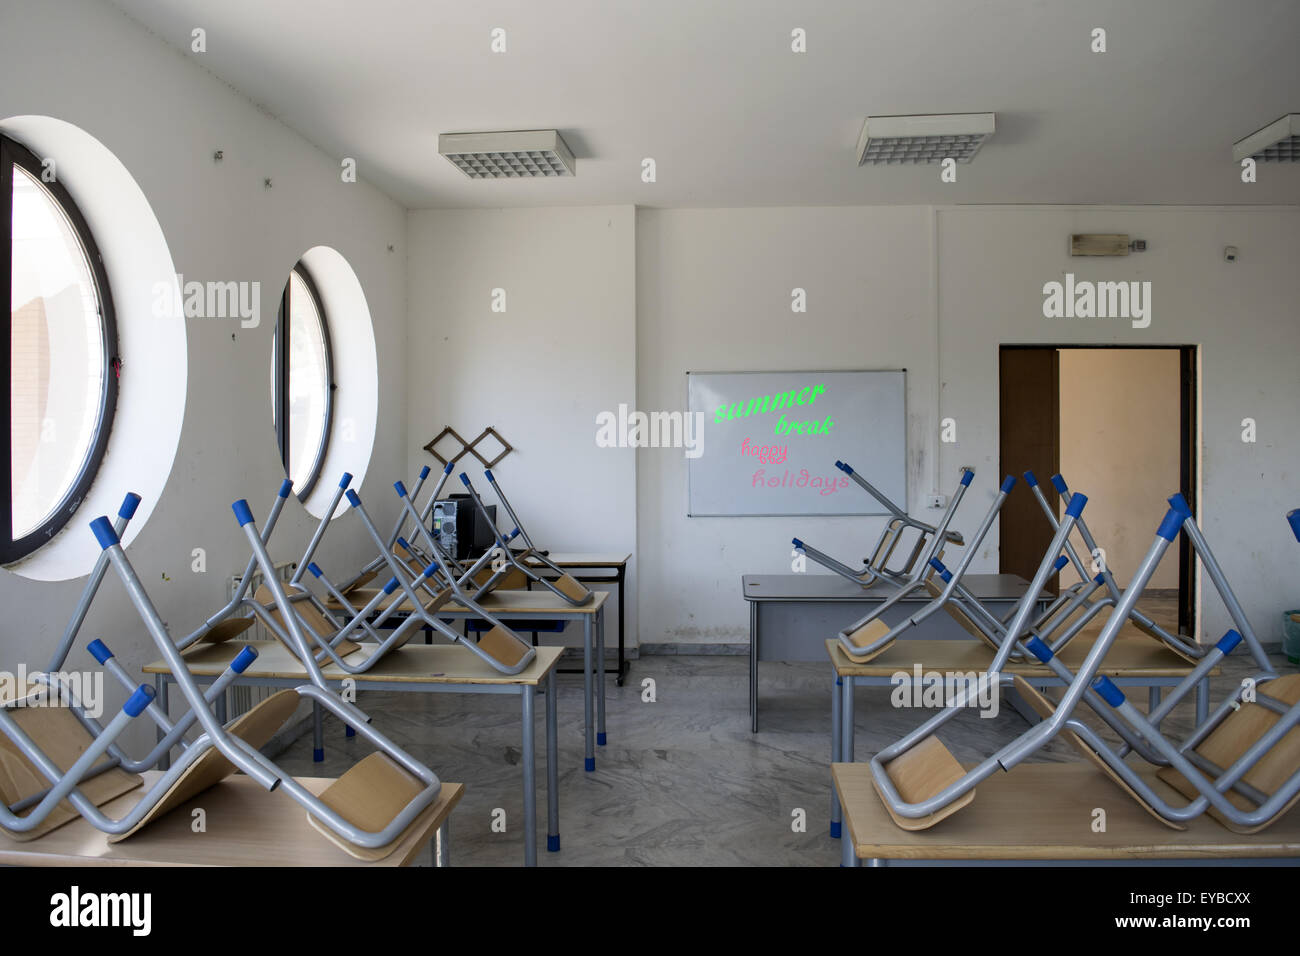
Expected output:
(832, 587)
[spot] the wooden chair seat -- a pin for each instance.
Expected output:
(1230, 740)
(1046, 708)
(1155, 636)
(864, 636)
(63, 739)
(920, 773)
(503, 647)
(368, 796)
(225, 630)
(362, 580)
(958, 614)
(255, 728)
(571, 588)
(309, 616)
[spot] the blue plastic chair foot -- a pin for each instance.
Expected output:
(553, 843)
(600, 739)
(318, 755)
(589, 763)
(835, 830)
(349, 732)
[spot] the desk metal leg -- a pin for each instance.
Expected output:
(588, 730)
(530, 775)
(552, 769)
(160, 696)
(835, 753)
(442, 844)
(318, 734)
(847, 855)
(753, 667)
(1153, 698)
(600, 677)
(621, 578)
(846, 721)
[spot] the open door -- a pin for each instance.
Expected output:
(1030, 429)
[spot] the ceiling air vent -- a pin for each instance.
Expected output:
(512, 155)
(912, 140)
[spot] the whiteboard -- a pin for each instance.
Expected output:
(771, 440)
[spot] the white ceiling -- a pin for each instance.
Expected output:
(711, 90)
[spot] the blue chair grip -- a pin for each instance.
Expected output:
(424, 472)
(1008, 483)
(99, 651)
(1109, 692)
(405, 546)
(1294, 518)
(104, 533)
(937, 565)
(137, 702)
(1229, 641)
(464, 479)
(353, 499)
(1075, 507)
(450, 466)
(401, 488)
(846, 468)
(1179, 503)
(1100, 578)
(243, 659)
(1170, 526)
(512, 535)
(129, 504)
(1039, 649)
(967, 476)
(1031, 479)
(391, 586)
(286, 487)
(1061, 562)
(314, 568)
(1059, 484)
(346, 479)
(797, 543)
(243, 513)
(487, 473)
(431, 570)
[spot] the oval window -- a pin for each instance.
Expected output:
(302, 386)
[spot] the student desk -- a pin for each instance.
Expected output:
(1044, 811)
(584, 563)
(791, 614)
(421, 668)
(531, 605)
(246, 826)
(1135, 660)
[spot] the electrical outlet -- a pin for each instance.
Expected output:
(936, 501)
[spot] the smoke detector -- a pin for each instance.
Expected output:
(914, 140)
(518, 154)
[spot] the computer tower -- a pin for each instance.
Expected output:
(461, 529)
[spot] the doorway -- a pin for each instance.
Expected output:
(1118, 423)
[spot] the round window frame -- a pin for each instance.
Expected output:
(280, 401)
(14, 153)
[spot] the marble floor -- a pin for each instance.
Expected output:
(682, 781)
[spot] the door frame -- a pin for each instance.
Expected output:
(1188, 446)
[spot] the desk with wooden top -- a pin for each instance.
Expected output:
(531, 605)
(1135, 660)
(586, 562)
(419, 668)
(244, 826)
(791, 614)
(1046, 811)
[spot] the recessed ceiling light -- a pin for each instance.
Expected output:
(907, 140)
(1278, 142)
(510, 155)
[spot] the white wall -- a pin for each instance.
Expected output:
(539, 372)
(994, 264)
(163, 117)
(1121, 443)
(713, 292)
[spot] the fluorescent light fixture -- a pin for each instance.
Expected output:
(511, 155)
(911, 140)
(1278, 142)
